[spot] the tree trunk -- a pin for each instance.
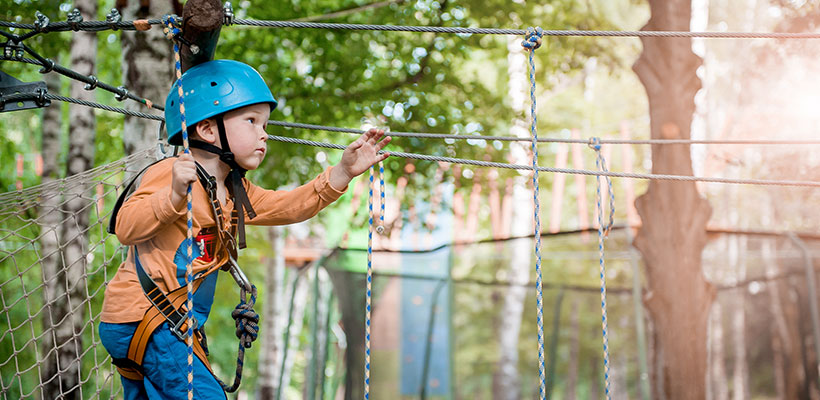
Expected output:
(506, 380)
(49, 222)
(716, 384)
(740, 376)
(73, 230)
(147, 70)
(674, 215)
(274, 318)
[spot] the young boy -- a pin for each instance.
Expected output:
(227, 108)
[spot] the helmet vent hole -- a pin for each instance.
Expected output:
(213, 84)
(172, 102)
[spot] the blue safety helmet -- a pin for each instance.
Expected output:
(213, 88)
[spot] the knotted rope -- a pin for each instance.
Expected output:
(531, 43)
(172, 32)
(247, 330)
(603, 231)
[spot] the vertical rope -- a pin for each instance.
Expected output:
(603, 231)
(532, 42)
(380, 227)
(171, 33)
(368, 294)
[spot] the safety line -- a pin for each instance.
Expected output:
(520, 32)
(298, 125)
(91, 81)
(530, 44)
(368, 288)
(491, 164)
(93, 26)
(130, 25)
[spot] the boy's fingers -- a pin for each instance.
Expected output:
(383, 143)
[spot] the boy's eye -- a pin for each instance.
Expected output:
(251, 120)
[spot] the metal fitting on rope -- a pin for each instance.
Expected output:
(74, 19)
(533, 38)
(13, 50)
(594, 143)
(48, 66)
(113, 18)
(41, 24)
(228, 11)
(122, 93)
(93, 84)
(42, 100)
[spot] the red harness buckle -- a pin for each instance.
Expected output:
(206, 240)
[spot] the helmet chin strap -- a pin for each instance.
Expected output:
(234, 179)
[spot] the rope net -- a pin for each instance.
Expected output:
(55, 260)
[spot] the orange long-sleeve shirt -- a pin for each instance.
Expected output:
(150, 221)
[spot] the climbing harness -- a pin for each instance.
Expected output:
(531, 43)
(603, 231)
(210, 242)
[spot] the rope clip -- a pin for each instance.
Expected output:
(122, 93)
(48, 66)
(113, 18)
(74, 19)
(228, 11)
(93, 84)
(41, 25)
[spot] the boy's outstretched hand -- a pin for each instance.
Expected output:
(359, 156)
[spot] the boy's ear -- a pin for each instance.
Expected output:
(207, 130)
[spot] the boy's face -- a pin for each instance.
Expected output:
(245, 128)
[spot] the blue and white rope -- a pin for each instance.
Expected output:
(368, 294)
(603, 231)
(532, 42)
(380, 227)
(171, 32)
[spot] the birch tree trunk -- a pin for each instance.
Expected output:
(147, 70)
(674, 214)
(49, 221)
(73, 231)
(506, 380)
(740, 376)
(274, 318)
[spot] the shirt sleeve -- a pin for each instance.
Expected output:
(149, 209)
(282, 207)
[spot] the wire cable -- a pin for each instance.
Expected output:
(298, 125)
(491, 164)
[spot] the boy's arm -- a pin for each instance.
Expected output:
(282, 207)
(150, 208)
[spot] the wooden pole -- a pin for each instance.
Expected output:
(201, 22)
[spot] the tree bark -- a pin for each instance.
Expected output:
(147, 70)
(73, 230)
(49, 222)
(275, 317)
(674, 215)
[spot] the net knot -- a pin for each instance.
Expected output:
(532, 40)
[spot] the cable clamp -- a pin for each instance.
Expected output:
(48, 66)
(228, 11)
(93, 84)
(113, 18)
(13, 50)
(74, 19)
(122, 93)
(41, 100)
(41, 25)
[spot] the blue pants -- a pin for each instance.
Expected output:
(165, 366)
